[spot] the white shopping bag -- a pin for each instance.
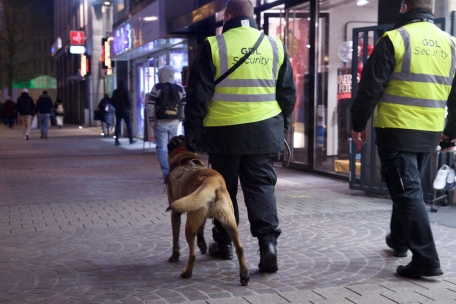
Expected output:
(180, 129)
(34, 124)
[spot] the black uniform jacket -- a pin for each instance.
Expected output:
(374, 78)
(252, 138)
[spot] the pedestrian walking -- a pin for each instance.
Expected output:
(43, 108)
(240, 121)
(165, 110)
(122, 103)
(26, 108)
(106, 111)
(408, 80)
(59, 112)
(10, 111)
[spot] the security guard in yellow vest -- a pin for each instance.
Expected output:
(409, 80)
(241, 120)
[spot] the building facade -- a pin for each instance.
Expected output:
(146, 35)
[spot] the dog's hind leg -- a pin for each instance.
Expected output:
(228, 222)
(200, 241)
(175, 223)
(194, 222)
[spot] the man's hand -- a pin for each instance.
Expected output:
(446, 137)
(359, 137)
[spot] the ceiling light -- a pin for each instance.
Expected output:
(107, 3)
(150, 18)
(362, 2)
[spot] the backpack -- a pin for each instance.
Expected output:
(169, 102)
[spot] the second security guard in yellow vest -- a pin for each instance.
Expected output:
(416, 95)
(407, 80)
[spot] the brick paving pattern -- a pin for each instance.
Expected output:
(83, 221)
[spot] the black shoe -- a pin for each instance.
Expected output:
(117, 143)
(42, 135)
(26, 137)
(132, 141)
(268, 256)
(45, 137)
(60, 127)
(414, 271)
(221, 251)
(396, 253)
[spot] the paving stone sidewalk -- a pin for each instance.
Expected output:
(83, 221)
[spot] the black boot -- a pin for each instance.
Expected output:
(268, 253)
(221, 251)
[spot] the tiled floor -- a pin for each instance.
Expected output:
(83, 221)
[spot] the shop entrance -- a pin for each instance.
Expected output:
(292, 25)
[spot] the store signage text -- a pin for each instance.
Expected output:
(77, 38)
(106, 63)
(123, 40)
(85, 65)
(344, 86)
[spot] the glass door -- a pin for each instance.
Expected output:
(292, 27)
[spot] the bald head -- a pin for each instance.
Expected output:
(238, 8)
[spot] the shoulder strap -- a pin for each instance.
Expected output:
(241, 61)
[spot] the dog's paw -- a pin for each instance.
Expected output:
(245, 278)
(186, 274)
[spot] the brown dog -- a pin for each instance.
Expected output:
(202, 193)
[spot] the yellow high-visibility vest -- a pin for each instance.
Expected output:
(249, 93)
(416, 95)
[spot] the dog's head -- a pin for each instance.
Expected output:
(177, 142)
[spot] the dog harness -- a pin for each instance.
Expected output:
(179, 176)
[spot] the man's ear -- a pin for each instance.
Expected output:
(404, 8)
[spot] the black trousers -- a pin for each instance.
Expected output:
(258, 178)
(410, 227)
(125, 115)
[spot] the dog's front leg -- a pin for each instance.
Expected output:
(175, 223)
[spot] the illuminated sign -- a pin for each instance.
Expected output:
(85, 65)
(123, 40)
(77, 38)
(77, 49)
(106, 63)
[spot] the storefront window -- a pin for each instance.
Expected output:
(178, 58)
(333, 156)
(332, 96)
(292, 27)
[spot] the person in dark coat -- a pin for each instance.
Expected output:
(410, 101)
(43, 108)
(122, 102)
(106, 110)
(10, 111)
(26, 108)
(59, 111)
(239, 147)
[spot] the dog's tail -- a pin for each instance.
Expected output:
(200, 198)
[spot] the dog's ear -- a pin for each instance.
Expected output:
(175, 142)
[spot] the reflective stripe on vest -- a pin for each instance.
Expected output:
(249, 93)
(416, 95)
